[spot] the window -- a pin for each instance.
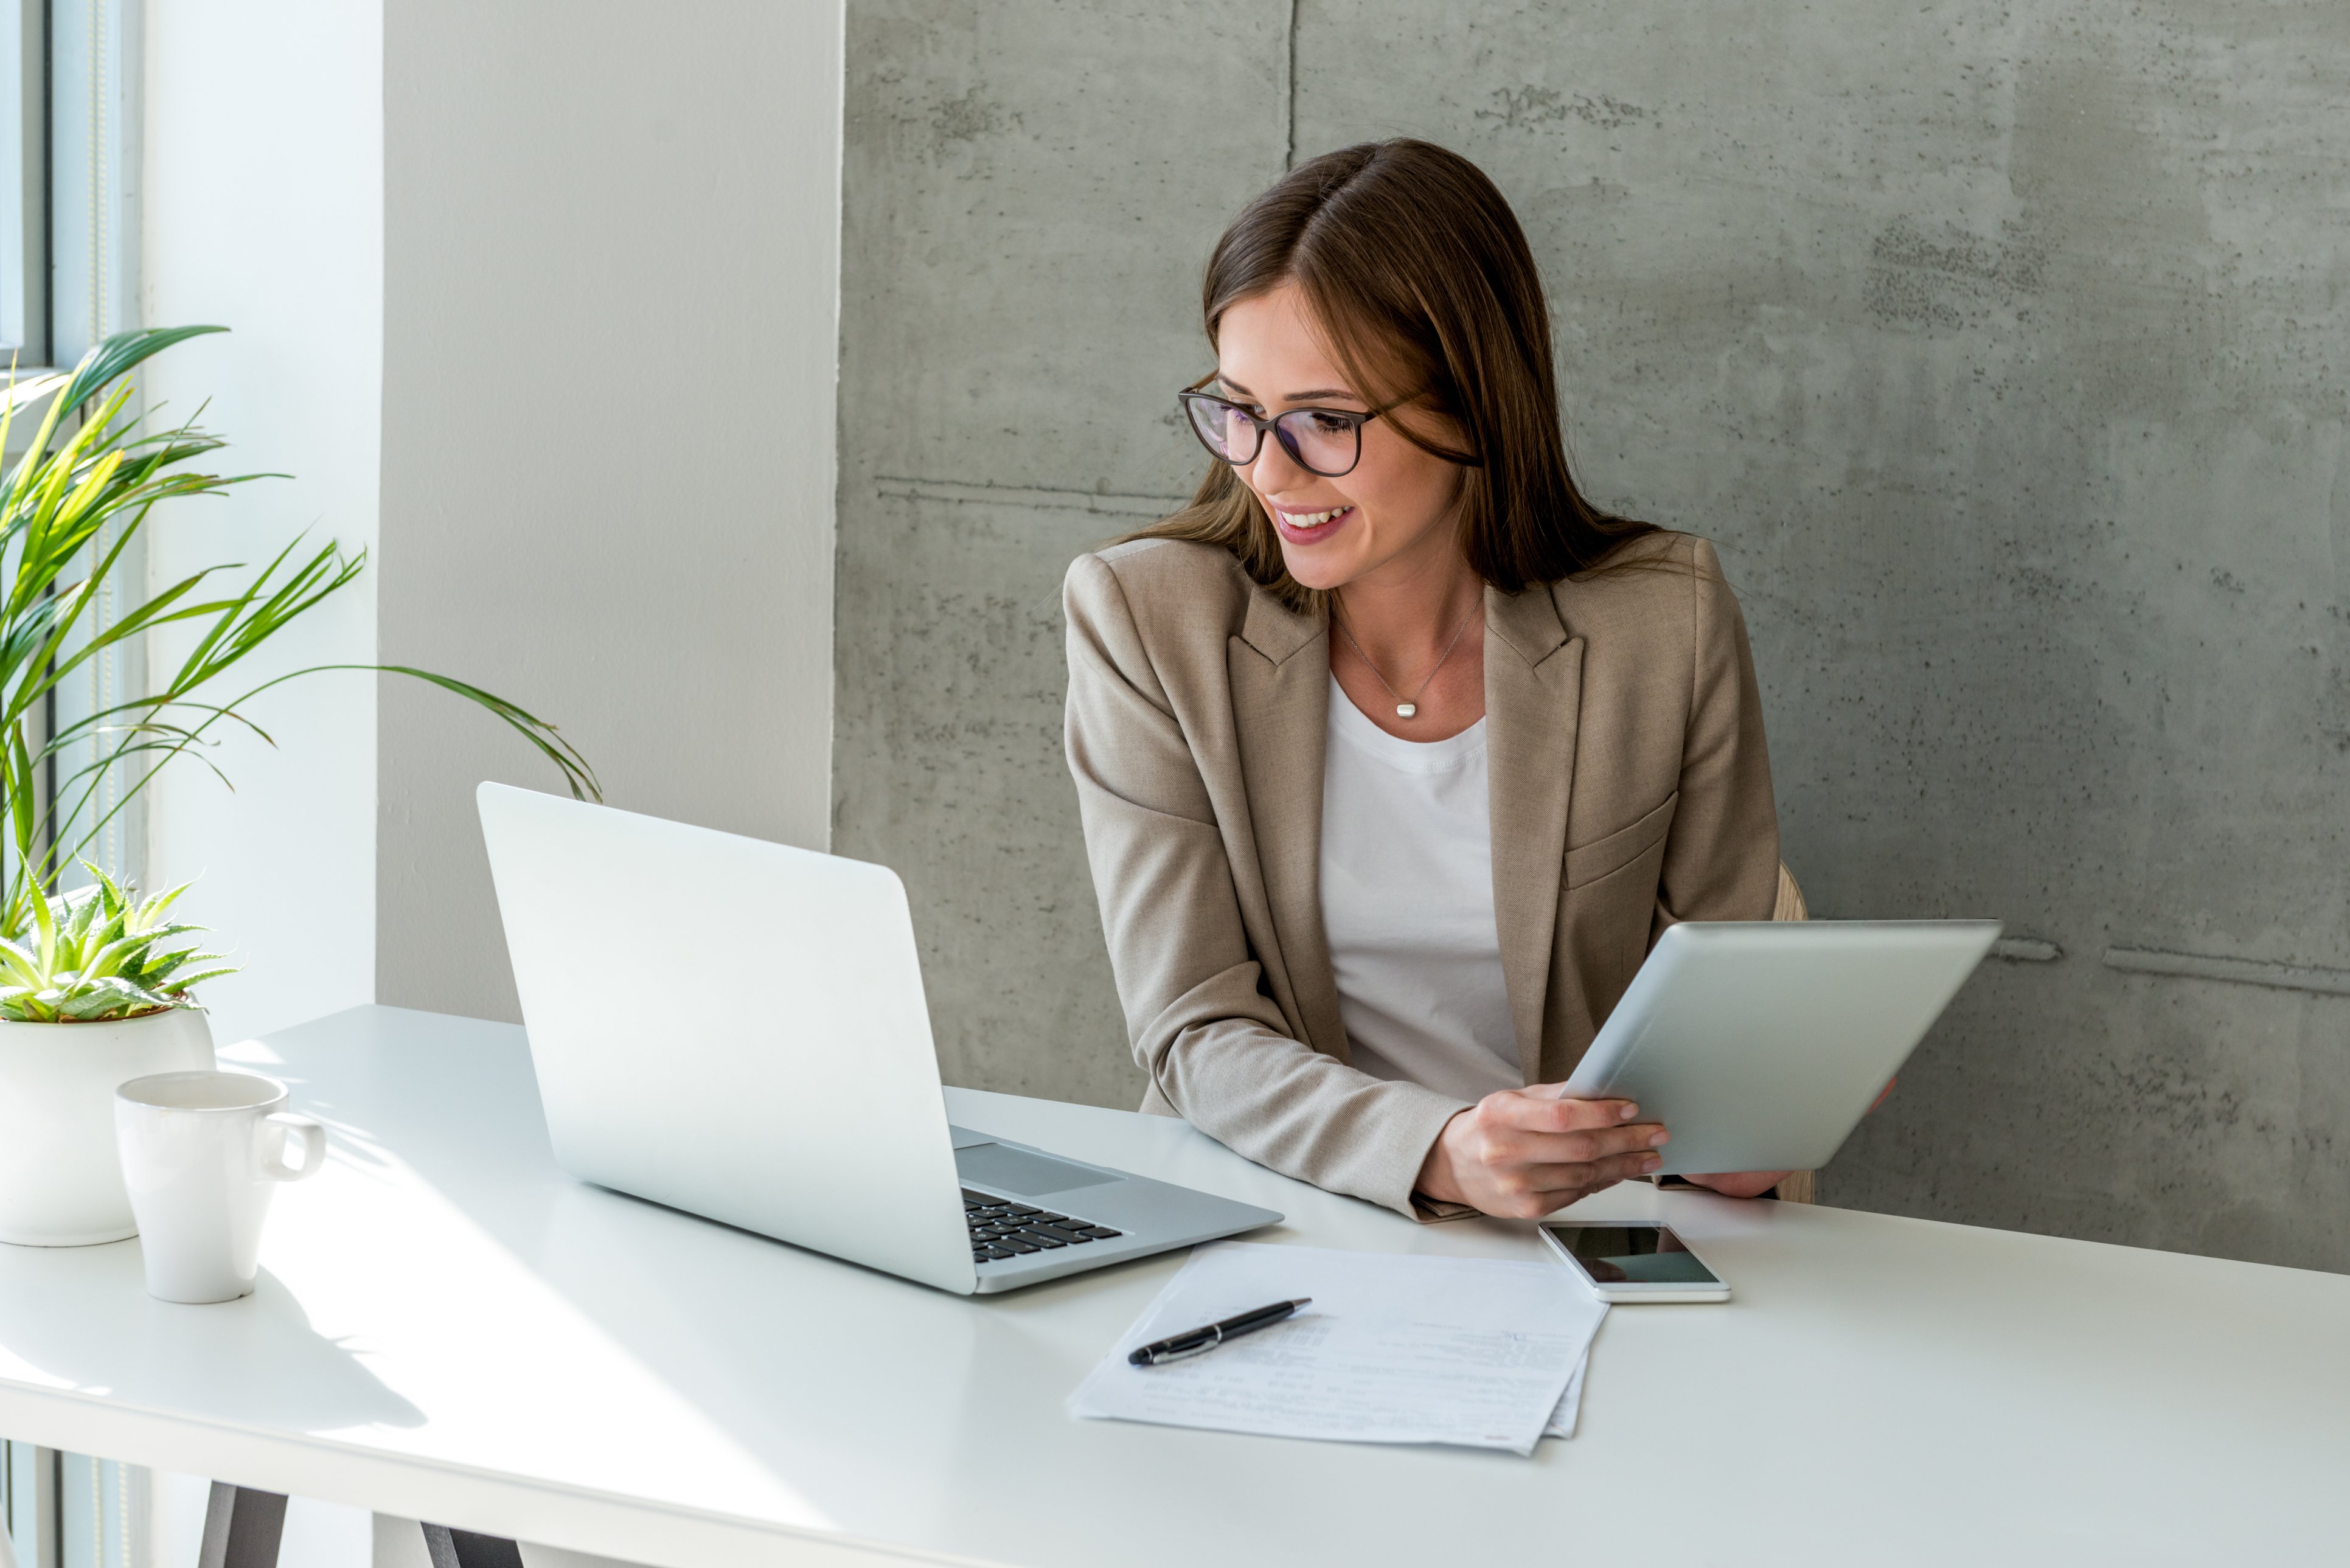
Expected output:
(62, 1510)
(25, 180)
(68, 249)
(69, 274)
(69, 175)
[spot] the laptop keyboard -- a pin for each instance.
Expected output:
(1002, 1228)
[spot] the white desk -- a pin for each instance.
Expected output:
(448, 1328)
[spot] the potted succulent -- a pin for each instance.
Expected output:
(101, 991)
(95, 986)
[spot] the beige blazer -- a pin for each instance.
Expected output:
(1630, 789)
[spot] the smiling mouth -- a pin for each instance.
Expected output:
(1306, 521)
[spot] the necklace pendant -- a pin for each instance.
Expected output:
(1405, 710)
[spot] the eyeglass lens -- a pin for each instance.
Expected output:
(1325, 443)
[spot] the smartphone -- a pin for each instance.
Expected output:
(1634, 1261)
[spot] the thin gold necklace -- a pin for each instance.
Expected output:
(1405, 706)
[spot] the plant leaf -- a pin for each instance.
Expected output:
(112, 997)
(19, 963)
(96, 464)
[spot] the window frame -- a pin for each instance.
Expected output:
(25, 183)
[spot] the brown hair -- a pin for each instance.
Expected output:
(1415, 267)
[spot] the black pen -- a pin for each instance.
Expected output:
(1199, 1340)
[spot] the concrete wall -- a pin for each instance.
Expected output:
(1999, 347)
(1028, 194)
(611, 255)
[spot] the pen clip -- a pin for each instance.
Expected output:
(1216, 1337)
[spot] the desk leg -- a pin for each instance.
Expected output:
(241, 1528)
(463, 1549)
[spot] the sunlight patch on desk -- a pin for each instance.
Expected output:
(509, 1365)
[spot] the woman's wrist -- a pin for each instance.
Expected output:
(1436, 1178)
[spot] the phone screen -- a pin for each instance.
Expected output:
(1631, 1252)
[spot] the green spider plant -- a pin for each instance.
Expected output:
(58, 549)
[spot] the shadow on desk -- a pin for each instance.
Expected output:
(310, 1383)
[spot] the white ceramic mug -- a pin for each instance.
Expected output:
(201, 1153)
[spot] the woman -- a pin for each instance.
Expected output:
(1395, 754)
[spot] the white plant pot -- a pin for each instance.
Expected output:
(60, 1179)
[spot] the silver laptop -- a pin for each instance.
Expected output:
(737, 1028)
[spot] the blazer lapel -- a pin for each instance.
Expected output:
(1280, 671)
(1533, 698)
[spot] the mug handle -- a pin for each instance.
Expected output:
(314, 1147)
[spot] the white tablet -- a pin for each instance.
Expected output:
(1761, 1045)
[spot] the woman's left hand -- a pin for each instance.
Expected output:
(1741, 1183)
(1755, 1183)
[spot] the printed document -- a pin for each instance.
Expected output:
(1483, 1353)
(1570, 1404)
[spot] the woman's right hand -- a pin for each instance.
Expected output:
(1522, 1153)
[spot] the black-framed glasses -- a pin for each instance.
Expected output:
(1327, 441)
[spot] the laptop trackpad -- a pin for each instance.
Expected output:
(1022, 1174)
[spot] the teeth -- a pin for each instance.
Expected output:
(1313, 519)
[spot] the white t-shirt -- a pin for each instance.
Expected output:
(1408, 904)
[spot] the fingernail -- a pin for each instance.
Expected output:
(1628, 1113)
(1650, 1164)
(1657, 1139)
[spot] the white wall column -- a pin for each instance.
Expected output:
(263, 212)
(612, 252)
